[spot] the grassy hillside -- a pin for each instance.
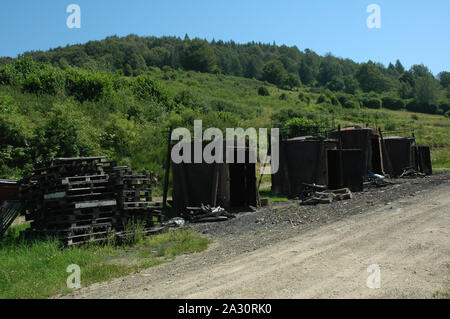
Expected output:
(47, 111)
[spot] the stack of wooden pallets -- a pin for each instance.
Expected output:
(84, 199)
(134, 196)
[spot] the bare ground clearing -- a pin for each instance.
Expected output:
(287, 251)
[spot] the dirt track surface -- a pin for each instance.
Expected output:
(313, 252)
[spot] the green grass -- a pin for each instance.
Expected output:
(442, 294)
(440, 158)
(266, 193)
(38, 269)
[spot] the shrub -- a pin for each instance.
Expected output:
(351, 104)
(291, 81)
(393, 103)
(304, 98)
(334, 100)
(372, 103)
(444, 105)
(342, 98)
(5, 76)
(144, 87)
(263, 91)
(187, 98)
(336, 84)
(86, 86)
(63, 134)
(322, 99)
(301, 126)
(390, 126)
(447, 114)
(283, 96)
(415, 106)
(45, 81)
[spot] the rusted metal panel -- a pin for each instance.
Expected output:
(423, 159)
(365, 139)
(216, 184)
(302, 160)
(400, 152)
(345, 169)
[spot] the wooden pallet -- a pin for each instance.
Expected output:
(84, 199)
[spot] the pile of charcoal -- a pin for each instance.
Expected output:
(81, 200)
(206, 213)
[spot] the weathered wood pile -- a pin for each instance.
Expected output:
(86, 199)
(133, 193)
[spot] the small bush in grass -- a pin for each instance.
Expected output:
(444, 105)
(415, 106)
(301, 96)
(135, 232)
(390, 126)
(334, 100)
(343, 98)
(322, 99)
(372, 103)
(304, 98)
(283, 96)
(447, 114)
(415, 117)
(351, 104)
(393, 103)
(263, 91)
(301, 126)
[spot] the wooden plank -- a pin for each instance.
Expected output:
(96, 204)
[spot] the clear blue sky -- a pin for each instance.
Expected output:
(415, 31)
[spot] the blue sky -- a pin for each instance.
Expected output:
(415, 31)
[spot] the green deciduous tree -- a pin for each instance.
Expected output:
(427, 90)
(444, 79)
(199, 56)
(370, 78)
(291, 80)
(273, 72)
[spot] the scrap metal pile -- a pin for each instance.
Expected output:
(327, 197)
(205, 213)
(8, 213)
(88, 199)
(411, 172)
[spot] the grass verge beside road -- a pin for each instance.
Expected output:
(38, 269)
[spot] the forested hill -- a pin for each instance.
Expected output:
(286, 67)
(119, 96)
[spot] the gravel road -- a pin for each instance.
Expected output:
(292, 251)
